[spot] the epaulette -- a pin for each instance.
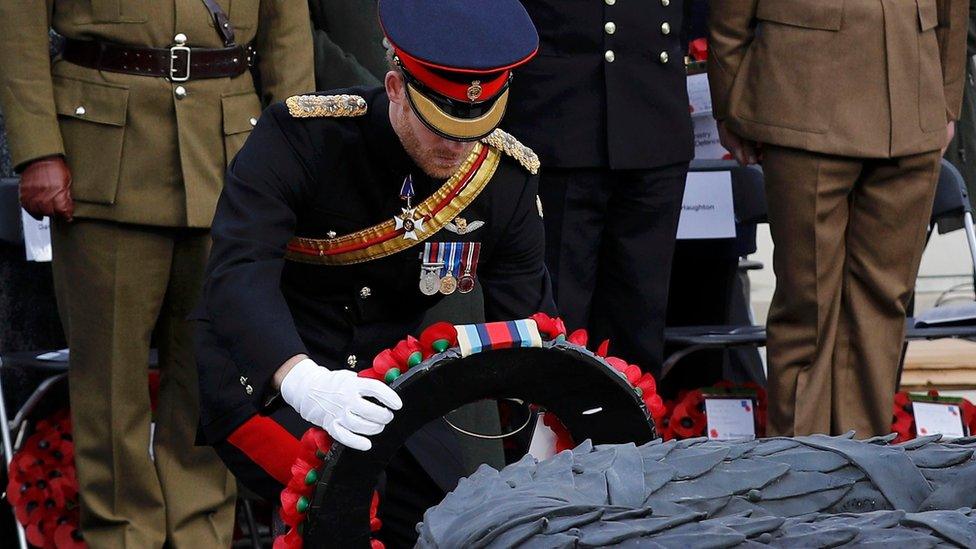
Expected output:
(325, 106)
(504, 142)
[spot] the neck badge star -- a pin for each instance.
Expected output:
(409, 221)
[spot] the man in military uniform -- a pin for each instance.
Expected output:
(605, 105)
(852, 103)
(124, 139)
(345, 217)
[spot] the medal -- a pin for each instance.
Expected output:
(449, 282)
(430, 282)
(471, 252)
(408, 221)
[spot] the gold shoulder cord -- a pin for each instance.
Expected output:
(326, 106)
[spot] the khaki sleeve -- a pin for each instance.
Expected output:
(952, 33)
(26, 90)
(731, 28)
(284, 48)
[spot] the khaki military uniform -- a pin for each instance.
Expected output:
(147, 156)
(850, 100)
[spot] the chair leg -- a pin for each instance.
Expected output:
(252, 525)
(8, 453)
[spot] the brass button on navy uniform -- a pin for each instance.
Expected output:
(664, 57)
(610, 27)
(665, 28)
(179, 92)
(351, 361)
(665, 3)
(610, 2)
(609, 56)
(365, 292)
(80, 111)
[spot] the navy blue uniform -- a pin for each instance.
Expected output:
(318, 178)
(605, 105)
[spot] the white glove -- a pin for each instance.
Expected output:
(334, 400)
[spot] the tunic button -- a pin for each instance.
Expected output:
(610, 2)
(610, 27)
(249, 390)
(180, 92)
(351, 361)
(665, 3)
(365, 292)
(664, 57)
(180, 39)
(80, 111)
(253, 121)
(609, 56)
(665, 28)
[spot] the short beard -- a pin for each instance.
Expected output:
(424, 158)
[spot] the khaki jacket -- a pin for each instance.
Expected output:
(859, 78)
(138, 151)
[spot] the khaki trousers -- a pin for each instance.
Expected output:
(116, 284)
(848, 235)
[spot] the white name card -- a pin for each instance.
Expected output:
(938, 418)
(706, 210)
(37, 237)
(730, 418)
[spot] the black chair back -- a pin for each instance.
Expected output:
(748, 189)
(951, 195)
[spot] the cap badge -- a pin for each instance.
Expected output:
(475, 90)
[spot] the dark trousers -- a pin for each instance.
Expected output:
(609, 245)
(261, 451)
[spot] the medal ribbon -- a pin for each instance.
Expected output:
(473, 249)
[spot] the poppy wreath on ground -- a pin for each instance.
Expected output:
(903, 416)
(685, 416)
(42, 486)
(389, 365)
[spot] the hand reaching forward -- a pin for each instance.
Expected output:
(335, 401)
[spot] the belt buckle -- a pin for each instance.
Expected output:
(175, 53)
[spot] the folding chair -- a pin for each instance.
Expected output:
(749, 204)
(952, 201)
(13, 430)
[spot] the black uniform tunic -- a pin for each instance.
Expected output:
(318, 176)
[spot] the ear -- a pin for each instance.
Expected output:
(395, 88)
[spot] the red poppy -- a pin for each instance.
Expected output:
(549, 327)
(291, 540)
(647, 384)
(698, 49)
(289, 508)
(68, 536)
(633, 373)
(384, 361)
(580, 337)
(438, 337)
(407, 353)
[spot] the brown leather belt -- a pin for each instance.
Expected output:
(177, 64)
